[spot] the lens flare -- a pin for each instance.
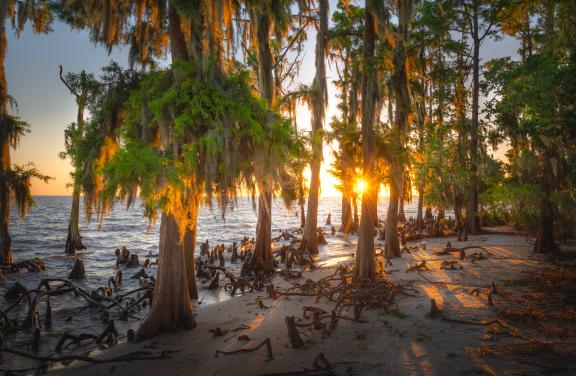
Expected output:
(360, 186)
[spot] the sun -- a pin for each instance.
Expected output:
(360, 186)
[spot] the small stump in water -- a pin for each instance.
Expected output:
(14, 292)
(133, 261)
(321, 237)
(78, 271)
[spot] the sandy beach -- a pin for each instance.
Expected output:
(404, 341)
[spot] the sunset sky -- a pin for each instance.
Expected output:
(32, 73)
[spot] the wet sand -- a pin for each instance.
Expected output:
(403, 341)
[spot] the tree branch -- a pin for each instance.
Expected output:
(66, 83)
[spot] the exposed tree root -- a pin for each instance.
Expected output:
(133, 356)
(266, 343)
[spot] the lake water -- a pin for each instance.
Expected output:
(43, 234)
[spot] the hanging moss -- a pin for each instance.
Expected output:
(186, 134)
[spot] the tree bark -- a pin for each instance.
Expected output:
(302, 215)
(5, 165)
(401, 124)
(346, 226)
(356, 222)
(364, 262)
(401, 212)
(545, 235)
(171, 306)
(263, 247)
(310, 235)
(428, 213)
(73, 240)
(189, 244)
(261, 27)
(472, 219)
(419, 218)
(392, 243)
(5, 240)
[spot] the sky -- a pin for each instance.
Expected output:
(43, 101)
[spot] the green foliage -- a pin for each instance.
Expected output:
(533, 107)
(19, 181)
(186, 134)
(12, 129)
(93, 141)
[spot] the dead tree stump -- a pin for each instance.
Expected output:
(295, 338)
(78, 271)
(433, 309)
(493, 289)
(48, 314)
(214, 283)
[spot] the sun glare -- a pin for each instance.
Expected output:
(360, 186)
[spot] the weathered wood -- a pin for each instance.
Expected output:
(78, 271)
(295, 338)
(266, 343)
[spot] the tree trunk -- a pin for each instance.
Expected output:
(458, 208)
(73, 240)
(428, 214)
(392, 244)
(5, 241)
(401, 124)
(302, 215)
(419, 218)
(346, 226)
(364, 262)
(545, 235)
(441, 213)
(189, 244)
(5, 165)
(261, 27)
(356, 222)
(472, 219)
(310, 235)
(171, 306)
(263, 247)
(401, 212)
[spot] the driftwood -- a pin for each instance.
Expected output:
(266, 343)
